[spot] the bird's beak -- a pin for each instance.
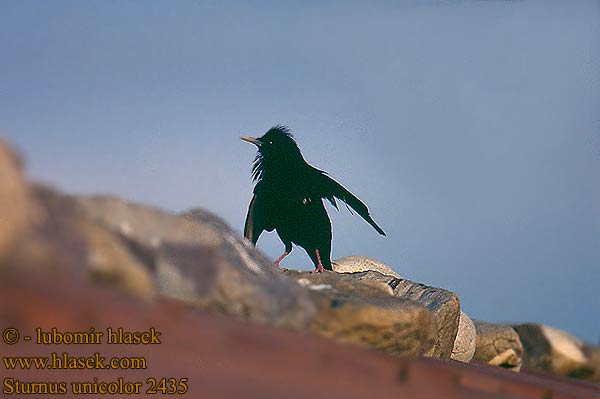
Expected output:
(252, 140)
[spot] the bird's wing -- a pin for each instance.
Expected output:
(252, 228)
(331, 189)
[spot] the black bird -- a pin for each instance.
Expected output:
(288, 197)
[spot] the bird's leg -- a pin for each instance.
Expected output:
(319, 268)
(276, 263)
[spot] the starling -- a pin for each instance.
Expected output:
(288, 197)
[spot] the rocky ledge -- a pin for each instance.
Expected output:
(195, 259)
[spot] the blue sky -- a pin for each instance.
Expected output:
(470, 128)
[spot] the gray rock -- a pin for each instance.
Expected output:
(465, 343)
(360, 308)
(498, 345)
(147, 252)
(110, 260)
(352, 264)
(445, 306)
(551, 350)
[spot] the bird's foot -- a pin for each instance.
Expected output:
(320, 269)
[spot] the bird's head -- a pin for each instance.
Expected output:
(277, 148)
(276, 142)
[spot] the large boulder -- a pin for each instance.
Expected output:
(552, 350)
(146, 252)
(16, 207)
(361, 309)
(465, 343)
(197, 258)
(498, 345)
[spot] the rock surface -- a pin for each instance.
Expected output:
(199, 260)
(498, 345)
(465, 343)
(146, 252)
(353, 264)
(357, 308)
(551, 350)
(191, 258)
(443, 305)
